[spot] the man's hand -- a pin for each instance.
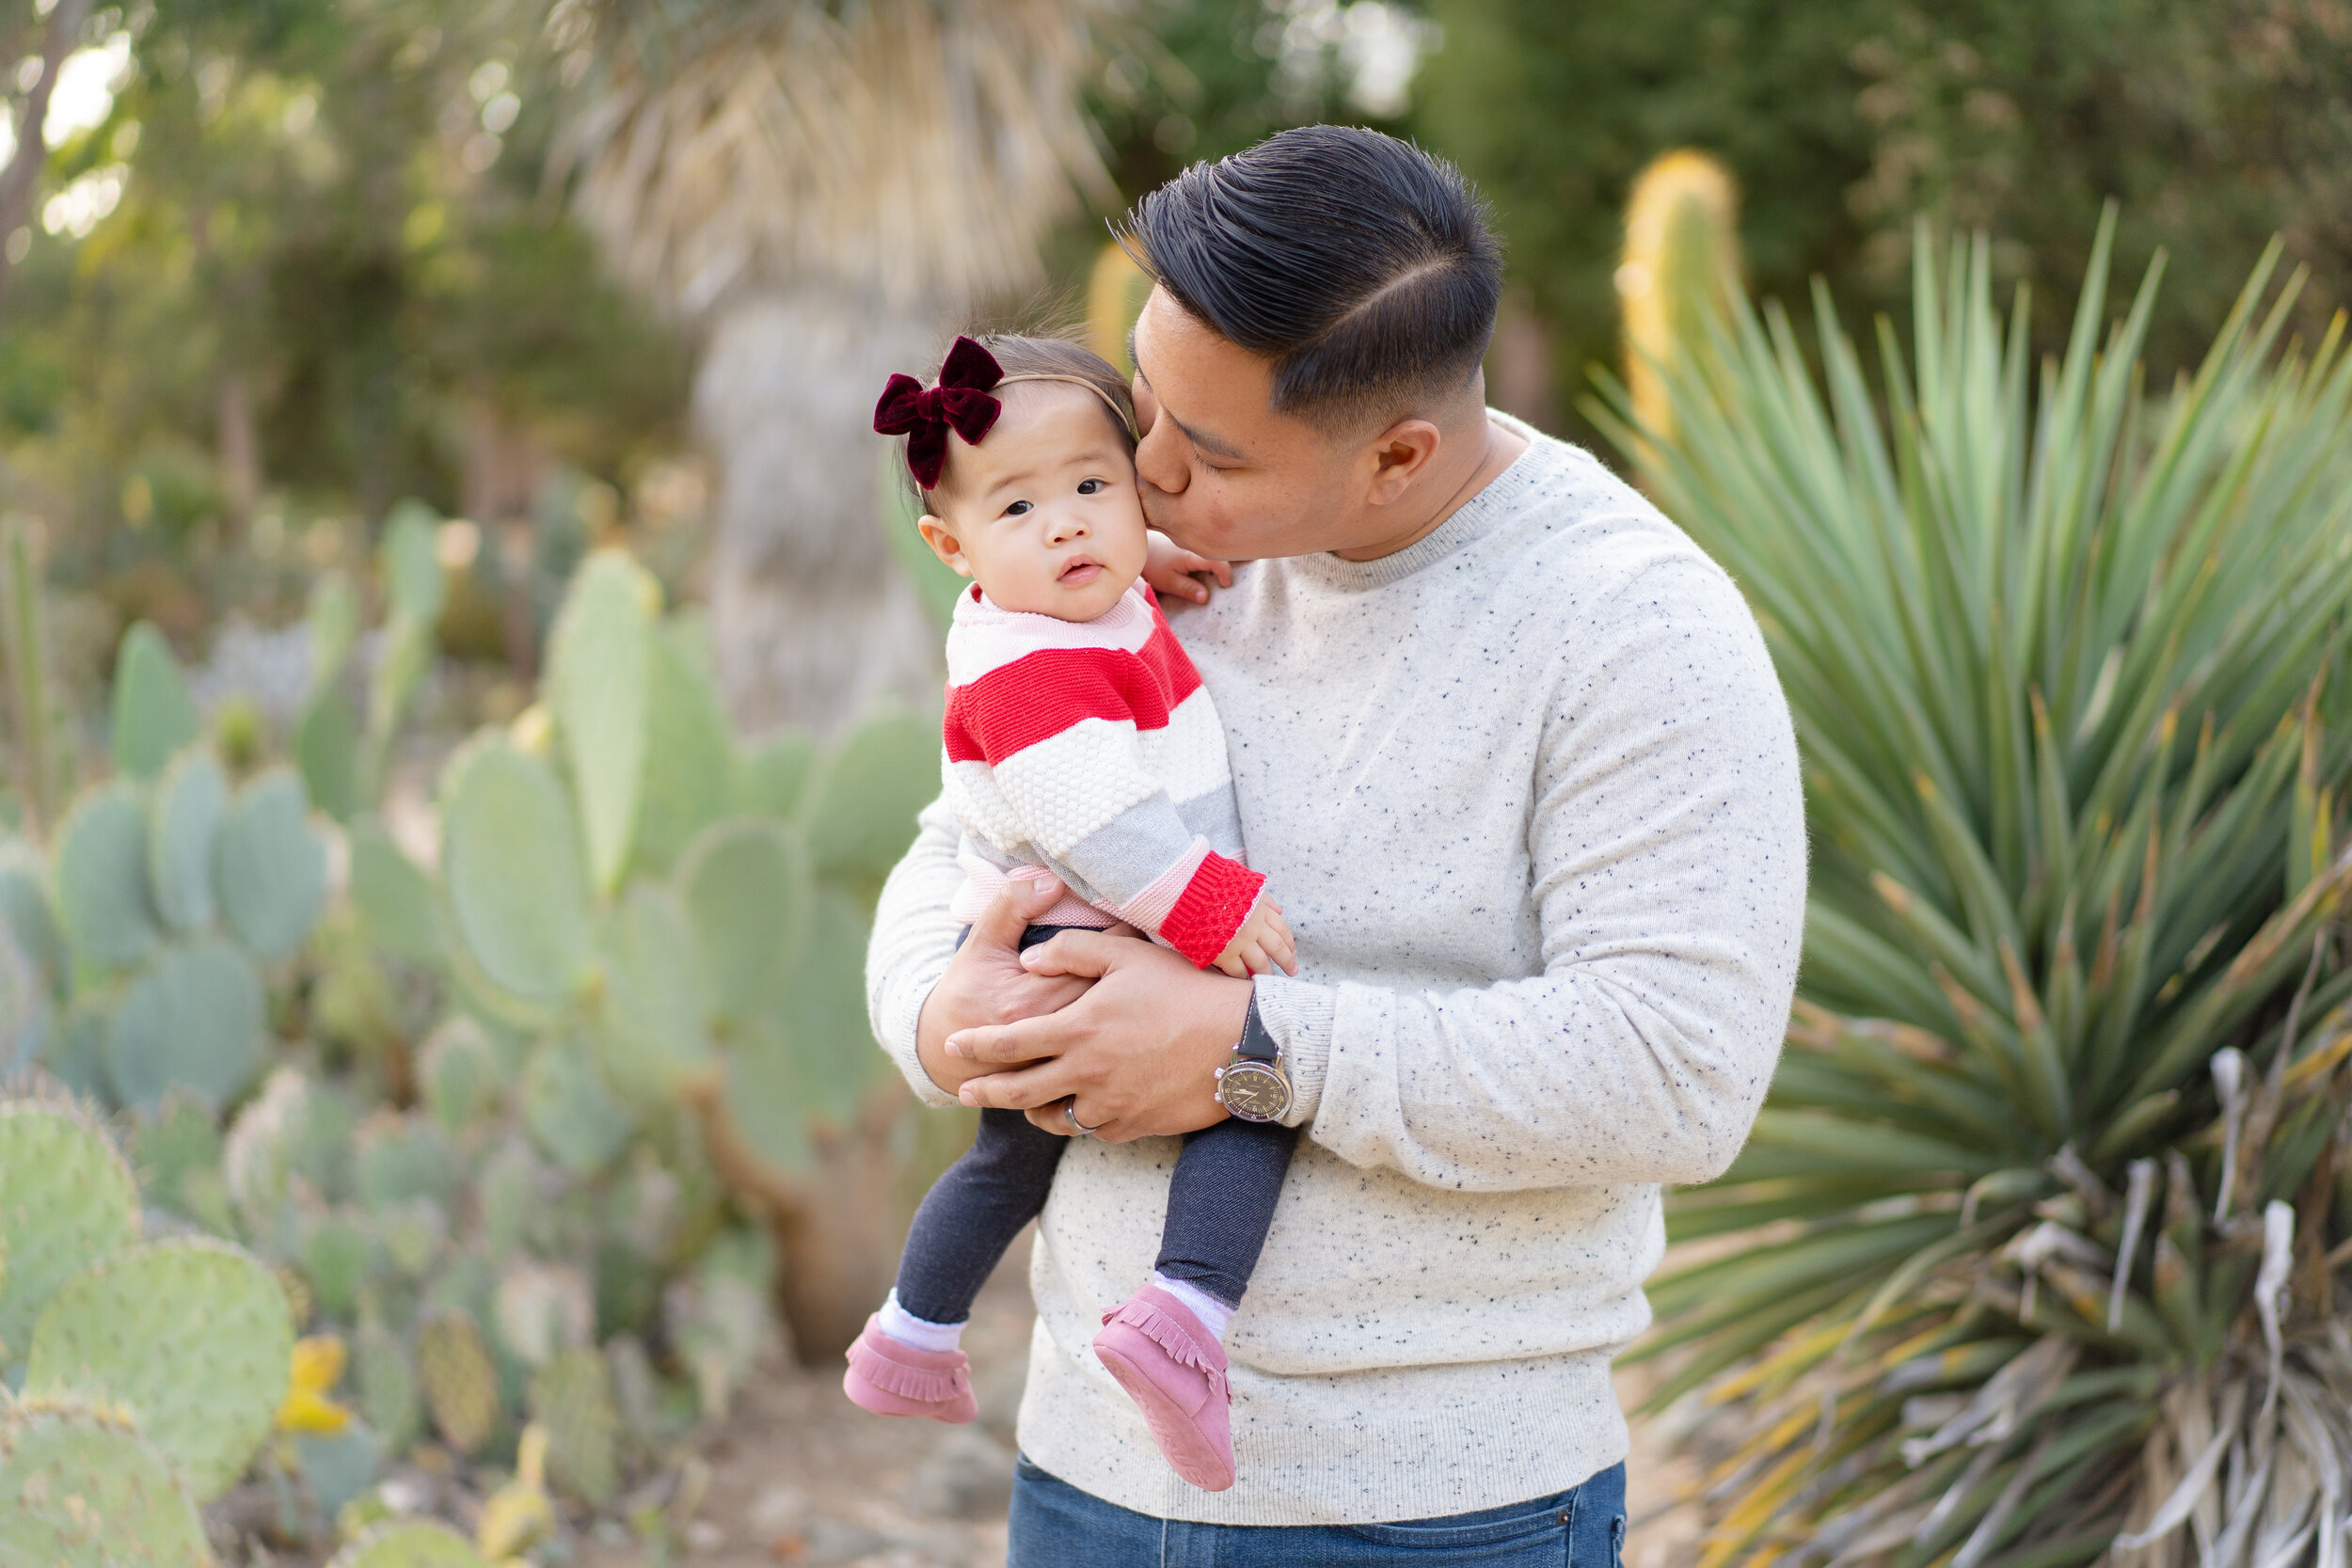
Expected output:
(1136, 1055)
(1175, 572)
(986, 982)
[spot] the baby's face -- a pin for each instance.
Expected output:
(1043, 513)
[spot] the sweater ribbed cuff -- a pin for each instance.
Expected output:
(897, 1021)
(1299, 1017)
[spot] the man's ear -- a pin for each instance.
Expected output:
(1399, 455)
(946, 546)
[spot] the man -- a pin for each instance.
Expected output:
(1512, 755)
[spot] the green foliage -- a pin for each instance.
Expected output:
(271, 869)
(598, 673)
(2067, 670)
(84, 1490)
(191, 802)
(192, 1019)
(461, 1387)
(410, 1543)
(858, 807)
(572, 1398)
(152, 717)
(102, 877)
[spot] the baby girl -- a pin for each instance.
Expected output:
(1080, 744)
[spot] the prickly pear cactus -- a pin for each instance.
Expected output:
(193, 1335)
(269, 868)
(461, 1387)
(386, 1379)
(518, 884)
(193, 1019)
(459, 1075)
(689, 751)
(569, 1111)
(102, 877)
(81, 1488)
(191, 799)
(395, 898)
(31, 917)
(152, 715)
(23, 1007)
(67, 1199)
(857, 811)
(653, 1031)
(746, 886)
(410, 1543)
(599, 655)
(571, 1397)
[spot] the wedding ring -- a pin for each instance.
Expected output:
(1070, 1115)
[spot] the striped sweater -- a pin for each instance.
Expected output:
(1089, 749)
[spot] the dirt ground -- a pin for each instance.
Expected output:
(799, 1476)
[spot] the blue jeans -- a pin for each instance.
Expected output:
(1056, 1525)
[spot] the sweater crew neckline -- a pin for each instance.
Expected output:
(1504, 497)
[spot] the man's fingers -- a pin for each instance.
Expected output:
(1031, 1040)
(1013, 909)
(1024, 1090)
(1088, 954)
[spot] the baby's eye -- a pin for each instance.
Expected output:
(1089, 487)
(1017, 509)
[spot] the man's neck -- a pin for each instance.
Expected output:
(1498, 450)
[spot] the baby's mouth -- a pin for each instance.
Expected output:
(1081, 569)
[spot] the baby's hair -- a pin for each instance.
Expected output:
(1018, 355)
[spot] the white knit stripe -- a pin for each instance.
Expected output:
(980, 806)
(1188, 756)
(1071, 785)
(985, 637)
(1149, 909)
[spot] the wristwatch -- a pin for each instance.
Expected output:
(1255, 1086)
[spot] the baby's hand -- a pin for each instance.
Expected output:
(1175, 572)
(1262, 945)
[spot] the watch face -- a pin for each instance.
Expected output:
(1254, 1092)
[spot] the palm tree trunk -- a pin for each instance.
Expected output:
(811, 619)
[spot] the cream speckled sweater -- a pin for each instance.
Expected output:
(1530, 792)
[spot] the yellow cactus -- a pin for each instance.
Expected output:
(1681, 263)
(520, 1511)
(318, 1366)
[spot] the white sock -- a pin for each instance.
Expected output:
(1213, 1313)
(908, 1329)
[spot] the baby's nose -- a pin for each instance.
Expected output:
(1067, 526)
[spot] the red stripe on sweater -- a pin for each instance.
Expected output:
(1040, 694)
(1211, 908)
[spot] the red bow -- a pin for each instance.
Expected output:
(925, 415)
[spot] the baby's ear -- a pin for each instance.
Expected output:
(945, 544)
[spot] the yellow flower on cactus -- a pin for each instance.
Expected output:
(318, 1366)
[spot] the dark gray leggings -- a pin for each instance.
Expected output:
(1220, 1204)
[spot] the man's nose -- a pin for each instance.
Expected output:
(1158, 463)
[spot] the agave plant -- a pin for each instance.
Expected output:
(2031, 1257)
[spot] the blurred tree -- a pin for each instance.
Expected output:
(2216, 122)
(824, 191)
(27, 112)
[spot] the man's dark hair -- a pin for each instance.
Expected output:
(1361, 265)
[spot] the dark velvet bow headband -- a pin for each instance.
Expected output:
(958, 401)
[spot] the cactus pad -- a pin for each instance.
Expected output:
(67, 1199)
(102, 877)
(269, 869)
(857, 811)
(413, 585)
(689, 751)
(458, 1072)
(517, 883)
(337, 1256)
(409, 1543)
(177, 1140)
(23, 1007)
(80, 1488)
(152, 715)
(31, 917)
(386, 1380)
(397, 1158)
(461, 1387)
(326, 749)
(770, 779)
(393, 895)
(193, 1335)
(598, 680)
(571, 1397)
(568, 1111)
(653, 1032)
(193, 1019)
(190, 801)
(747, 888)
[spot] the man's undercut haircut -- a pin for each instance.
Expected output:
(1019, 354)
(1363, 267)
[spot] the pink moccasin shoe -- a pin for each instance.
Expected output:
(892, 1379)
(1174, 1370)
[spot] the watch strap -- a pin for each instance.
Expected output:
(1257, 1042)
